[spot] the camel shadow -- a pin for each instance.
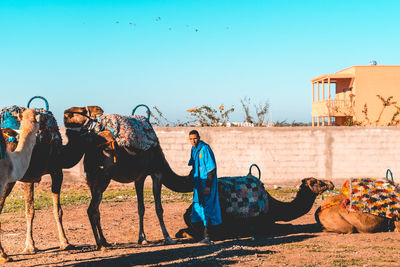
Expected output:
(287, 228)
(271, 230)
(222, 253)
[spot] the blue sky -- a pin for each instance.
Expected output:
(179, 54)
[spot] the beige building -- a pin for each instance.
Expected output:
(351, 96)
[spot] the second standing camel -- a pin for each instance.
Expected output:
(105, 161)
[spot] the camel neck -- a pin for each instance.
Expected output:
(173, 181)
(73, 151)
(287, 211)
(22, 154)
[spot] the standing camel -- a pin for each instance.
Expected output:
(47, 158)
(13, 165)
(105, 161)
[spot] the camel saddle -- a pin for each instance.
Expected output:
(131, 132)
(378, 197)
(48, 128)
(243, 196)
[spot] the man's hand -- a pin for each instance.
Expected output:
(207, 191)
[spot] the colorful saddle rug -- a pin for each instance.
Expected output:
(9, 117)
(48, 128)
(242, 197)
(379, 197)
(134, 132)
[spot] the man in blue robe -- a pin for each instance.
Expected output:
(205, 207)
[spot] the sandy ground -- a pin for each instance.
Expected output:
(300, 245)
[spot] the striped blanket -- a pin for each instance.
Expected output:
(242, 197)
(379, 197)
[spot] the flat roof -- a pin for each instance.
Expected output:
(332, 77)
(340, 75)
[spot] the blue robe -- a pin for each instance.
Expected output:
(205, 209)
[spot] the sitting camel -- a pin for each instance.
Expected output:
(334, 216)
(48, 157)
(310, 188)
(106, 160)
(13, 165)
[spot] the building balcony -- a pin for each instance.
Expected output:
(332, 108)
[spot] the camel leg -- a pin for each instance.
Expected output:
(7, 190)
(3, 256)
(396, 226)
(159, 209)
(98, 184)
(57, 178)
(139, 193)
(29, 215)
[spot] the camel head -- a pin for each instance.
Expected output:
(30, 121)
(316, 186)
(80, 117)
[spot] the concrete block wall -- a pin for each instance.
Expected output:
(288, 154)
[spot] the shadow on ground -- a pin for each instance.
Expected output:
(222, 253)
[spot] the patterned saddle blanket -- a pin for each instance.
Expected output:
(134, 132)
(242, 197)
(379, 197)
(48, 128)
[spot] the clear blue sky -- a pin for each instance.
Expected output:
(179, 54)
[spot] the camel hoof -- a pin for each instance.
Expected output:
(67, 247)
(4, 258)
(187, 235)
(169, 241)
(30, 250)
(104, 248)
(143, 242)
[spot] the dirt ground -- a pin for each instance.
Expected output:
(301, 244)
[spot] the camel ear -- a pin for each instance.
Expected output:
(304, 181)
(310, 182)
(68, 115)
(95, 111)
(69, 112)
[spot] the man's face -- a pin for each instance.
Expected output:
(194, 139)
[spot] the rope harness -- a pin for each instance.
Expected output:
(11, 138)
(330, 204)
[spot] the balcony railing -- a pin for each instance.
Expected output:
(332, 107)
